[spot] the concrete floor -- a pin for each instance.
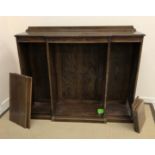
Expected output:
(49, 129)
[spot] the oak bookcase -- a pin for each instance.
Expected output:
(77, 70)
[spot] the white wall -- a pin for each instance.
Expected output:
(7, 59)
(13, 25)
(7, 63)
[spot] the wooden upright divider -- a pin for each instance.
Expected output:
(50, 77)
(107, 75)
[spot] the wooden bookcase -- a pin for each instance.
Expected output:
(76, 70)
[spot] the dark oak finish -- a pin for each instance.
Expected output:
(20, 99)
(77, 70)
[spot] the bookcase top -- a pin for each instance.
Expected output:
(80, 31)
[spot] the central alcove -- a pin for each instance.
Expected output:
(79, 72)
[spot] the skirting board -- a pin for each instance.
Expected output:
(4, 106)
(151, 102)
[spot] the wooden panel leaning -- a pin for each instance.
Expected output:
(20, 99)
(138, 114)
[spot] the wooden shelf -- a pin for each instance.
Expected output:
(73, 110)
(118, 111)
(41, 110)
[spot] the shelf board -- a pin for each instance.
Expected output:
(42, 108)
(78, 108)
(118, 111)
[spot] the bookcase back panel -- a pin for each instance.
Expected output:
(80, 70)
